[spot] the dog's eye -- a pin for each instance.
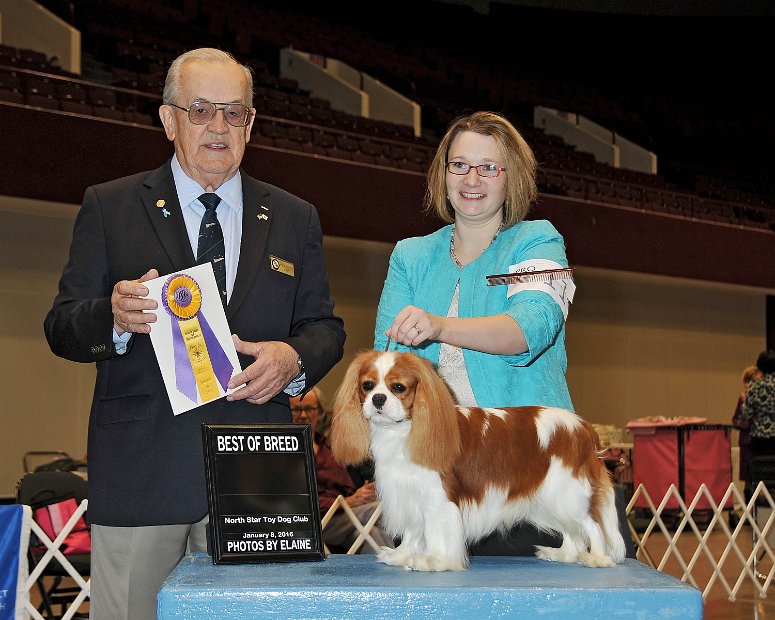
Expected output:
(368, 386)
(399, 387)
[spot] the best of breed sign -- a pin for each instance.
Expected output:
(262, 493)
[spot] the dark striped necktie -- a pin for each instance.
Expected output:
(211, 248)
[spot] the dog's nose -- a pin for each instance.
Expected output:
(378, 400)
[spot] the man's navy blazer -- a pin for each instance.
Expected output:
(145, 464)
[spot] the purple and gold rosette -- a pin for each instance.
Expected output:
(201, 364)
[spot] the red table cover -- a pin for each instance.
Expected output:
(657, 462)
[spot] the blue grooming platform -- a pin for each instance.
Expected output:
(357, 586)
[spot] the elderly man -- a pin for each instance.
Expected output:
(147, 496)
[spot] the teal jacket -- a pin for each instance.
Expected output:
(422, 273)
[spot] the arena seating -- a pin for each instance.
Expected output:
(137, 39)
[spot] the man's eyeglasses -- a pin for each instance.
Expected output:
(202, 112)
(309, 409)
(483, 170)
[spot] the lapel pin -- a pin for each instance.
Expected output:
(160, 203)
(165, 212)
(264, 208)
(261, 216)
(281, 266)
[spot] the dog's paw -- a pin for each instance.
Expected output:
(596, 561)
(554, 554)
(431, 563)
(394, 557)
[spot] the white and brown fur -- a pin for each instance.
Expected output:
(448, 476)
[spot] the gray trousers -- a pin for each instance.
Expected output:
(129, 565)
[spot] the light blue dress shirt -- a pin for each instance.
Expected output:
(229, 213)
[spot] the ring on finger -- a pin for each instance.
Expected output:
(417, 329)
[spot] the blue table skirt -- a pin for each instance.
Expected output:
(357, 586)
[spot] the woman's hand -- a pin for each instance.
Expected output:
(498, 334)
(413, 326)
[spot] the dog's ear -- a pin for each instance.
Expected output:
(349, 429)
(434, 440)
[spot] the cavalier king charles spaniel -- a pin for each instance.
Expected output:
(448, 475)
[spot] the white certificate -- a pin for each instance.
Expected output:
(191, 338)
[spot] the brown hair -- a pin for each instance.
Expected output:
(749, 374)
(518, 159)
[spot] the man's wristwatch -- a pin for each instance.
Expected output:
(301, 366)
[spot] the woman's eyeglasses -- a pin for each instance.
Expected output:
(483, 170)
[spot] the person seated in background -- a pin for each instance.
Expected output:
(333, 480)
(324, 429)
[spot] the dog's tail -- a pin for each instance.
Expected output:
(604, 498)
(609, 518)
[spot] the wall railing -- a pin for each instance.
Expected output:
(663, 535)
(745, 553)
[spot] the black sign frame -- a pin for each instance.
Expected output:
(262, 493)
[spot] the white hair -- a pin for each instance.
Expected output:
(206, 54)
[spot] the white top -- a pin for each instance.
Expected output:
(452, 366)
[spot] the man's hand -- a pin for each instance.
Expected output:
(273, 370)
(130, 310)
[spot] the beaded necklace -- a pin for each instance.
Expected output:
(452, 244)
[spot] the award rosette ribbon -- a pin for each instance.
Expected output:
(201, 363)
